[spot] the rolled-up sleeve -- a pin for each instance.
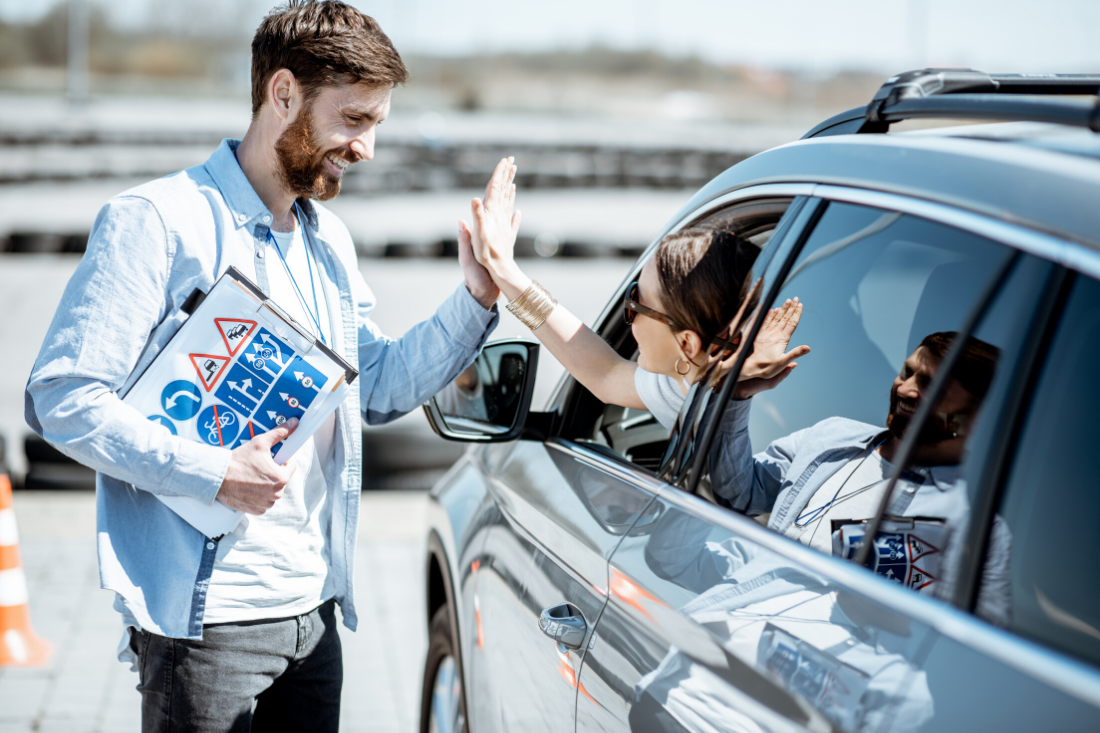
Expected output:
(112, 304)
(398, 375)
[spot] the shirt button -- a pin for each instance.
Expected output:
(266, 219)
(210, 545)
(260, 253)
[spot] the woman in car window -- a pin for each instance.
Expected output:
(687, 295)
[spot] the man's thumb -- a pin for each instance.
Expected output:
(281, 433)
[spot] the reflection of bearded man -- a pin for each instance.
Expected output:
(822, 484)
(302, 162)
(941, 438)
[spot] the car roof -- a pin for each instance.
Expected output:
(1057, 138)
(1042, 176)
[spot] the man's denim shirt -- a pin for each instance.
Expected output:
(149, 249)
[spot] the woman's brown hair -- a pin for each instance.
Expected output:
(706, 274)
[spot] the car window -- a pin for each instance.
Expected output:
(874, 283)
(634, 434)
(884, 296)
(1051, 504)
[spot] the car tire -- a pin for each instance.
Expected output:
(442, 702)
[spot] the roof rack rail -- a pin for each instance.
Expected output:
(967, 94)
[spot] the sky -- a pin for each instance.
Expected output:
(812, 35)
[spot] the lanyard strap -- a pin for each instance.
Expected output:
(814, 514)
(305, 241)
(315, 314)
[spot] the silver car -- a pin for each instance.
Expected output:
(586, 572)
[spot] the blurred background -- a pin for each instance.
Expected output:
(617, 110)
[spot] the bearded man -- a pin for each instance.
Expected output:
(821, 485)
(239, 632)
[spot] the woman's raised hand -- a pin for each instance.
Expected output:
(770, 362)
(496, 223)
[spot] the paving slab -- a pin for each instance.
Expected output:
(84, 690)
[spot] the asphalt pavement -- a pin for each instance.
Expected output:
(84, 689)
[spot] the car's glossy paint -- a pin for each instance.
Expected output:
(535, 532)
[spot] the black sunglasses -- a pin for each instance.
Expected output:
(631, 307)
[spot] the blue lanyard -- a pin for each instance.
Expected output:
(305, 241)
(315, 314)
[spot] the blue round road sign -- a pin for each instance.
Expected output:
(181, 399)
(218, 425)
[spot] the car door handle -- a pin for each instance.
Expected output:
(564, 624)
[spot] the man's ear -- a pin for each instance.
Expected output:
(282, 92)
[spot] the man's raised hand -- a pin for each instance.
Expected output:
(478, 280)
(254, 481)
(495, 221)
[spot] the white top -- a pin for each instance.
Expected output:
(276, 564)
(861, 483)
(661, 395)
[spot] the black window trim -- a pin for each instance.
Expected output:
(995, 468)
(802, 225)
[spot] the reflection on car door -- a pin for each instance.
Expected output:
(709, 630)
(562, 511)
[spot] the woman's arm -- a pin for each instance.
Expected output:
(580, 350)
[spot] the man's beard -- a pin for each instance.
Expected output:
(302, 162)
(930, 434)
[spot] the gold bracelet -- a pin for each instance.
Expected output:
(533, 306)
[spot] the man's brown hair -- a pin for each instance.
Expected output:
(976, 364)
(322, 43)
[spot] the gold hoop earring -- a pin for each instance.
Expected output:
(676, 366)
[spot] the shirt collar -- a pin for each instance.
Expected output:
(245, 206)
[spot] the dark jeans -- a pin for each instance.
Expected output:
(291, 668)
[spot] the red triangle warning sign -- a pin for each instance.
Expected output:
(209, 367)
(234, 332)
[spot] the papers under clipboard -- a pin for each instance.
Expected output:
(239, 366)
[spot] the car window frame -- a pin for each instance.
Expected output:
(996, 464)
(566, 400)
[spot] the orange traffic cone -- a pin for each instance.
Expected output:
(19, 645)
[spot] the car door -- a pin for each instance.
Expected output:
(717, 623)
(558, 516)
(561, 508)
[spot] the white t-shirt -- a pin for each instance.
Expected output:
(861, 483)
(661, 395)
(276, 564)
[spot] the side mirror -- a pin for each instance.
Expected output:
(489, 401)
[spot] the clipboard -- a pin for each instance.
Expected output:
(239, 366)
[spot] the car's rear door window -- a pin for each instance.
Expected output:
(873, 283)
(1051, 504)
(884, 296)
